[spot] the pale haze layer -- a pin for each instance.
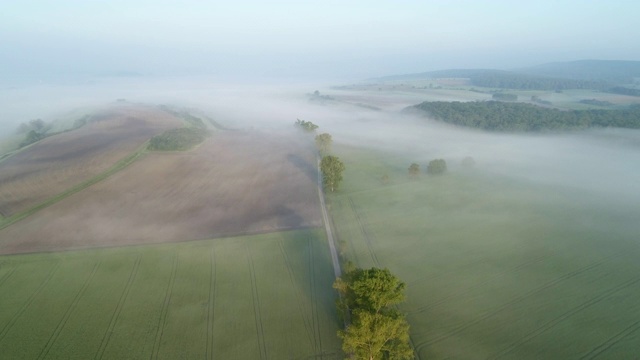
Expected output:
(248, 40)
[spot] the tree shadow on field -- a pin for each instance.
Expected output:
(309, 168)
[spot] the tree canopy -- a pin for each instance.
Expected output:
(377, 330)
(324, 142)
(437, 167)
(377, 336)
(307, 126)
(506, 116)
(414, 170)
(332, 169)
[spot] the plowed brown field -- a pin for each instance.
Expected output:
(233, 183)
(59, 162)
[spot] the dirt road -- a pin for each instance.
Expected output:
(327, 224)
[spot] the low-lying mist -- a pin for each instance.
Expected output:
(602, 162)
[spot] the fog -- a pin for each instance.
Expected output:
(599, 162)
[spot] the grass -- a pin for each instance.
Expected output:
(495, 268)
(263, 296)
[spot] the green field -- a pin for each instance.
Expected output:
(495, 268)
(254, 297)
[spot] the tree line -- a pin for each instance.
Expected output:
(502, 116)
(375, 329)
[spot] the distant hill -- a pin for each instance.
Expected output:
(584, 74)
(493, 78)
(612, 71)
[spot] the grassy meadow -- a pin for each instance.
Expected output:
(495, 267)
(254, 297)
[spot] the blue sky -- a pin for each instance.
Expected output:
(351, 39)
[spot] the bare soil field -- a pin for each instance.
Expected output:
(233, 183)
(61, 161)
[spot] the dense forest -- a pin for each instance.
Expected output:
(501, 116)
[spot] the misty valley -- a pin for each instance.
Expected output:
(497, 211)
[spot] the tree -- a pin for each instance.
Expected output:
(377, 330)
(332, 169)
(414, 170)
(324, 141)
(377, 336)
(437, 167)
(307, 126)
(373, 290)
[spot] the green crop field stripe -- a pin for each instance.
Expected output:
(517, 299)
(351, 246)
(27, 303)
(165, 308)
(314, 295)
(67, 314)
(602, 348)
(365, 233)
(303, 313)
(8, 274)
(551, 324)
(121, 164)
(118, 309)
(477, 261)
(476, 285)
(212, 303)
(256, 308)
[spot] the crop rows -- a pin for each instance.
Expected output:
(149, 301)
(519, 298)
(28, 302)
(495, 268)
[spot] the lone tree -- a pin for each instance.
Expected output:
(324, 141)
(414, 170)
(332, 169)
(377, 330)
(307, 126)
(436, 167)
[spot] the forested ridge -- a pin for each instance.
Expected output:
(501, 116)
(510, 80)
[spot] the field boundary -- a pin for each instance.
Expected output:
(327, 225)
(121, 164)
